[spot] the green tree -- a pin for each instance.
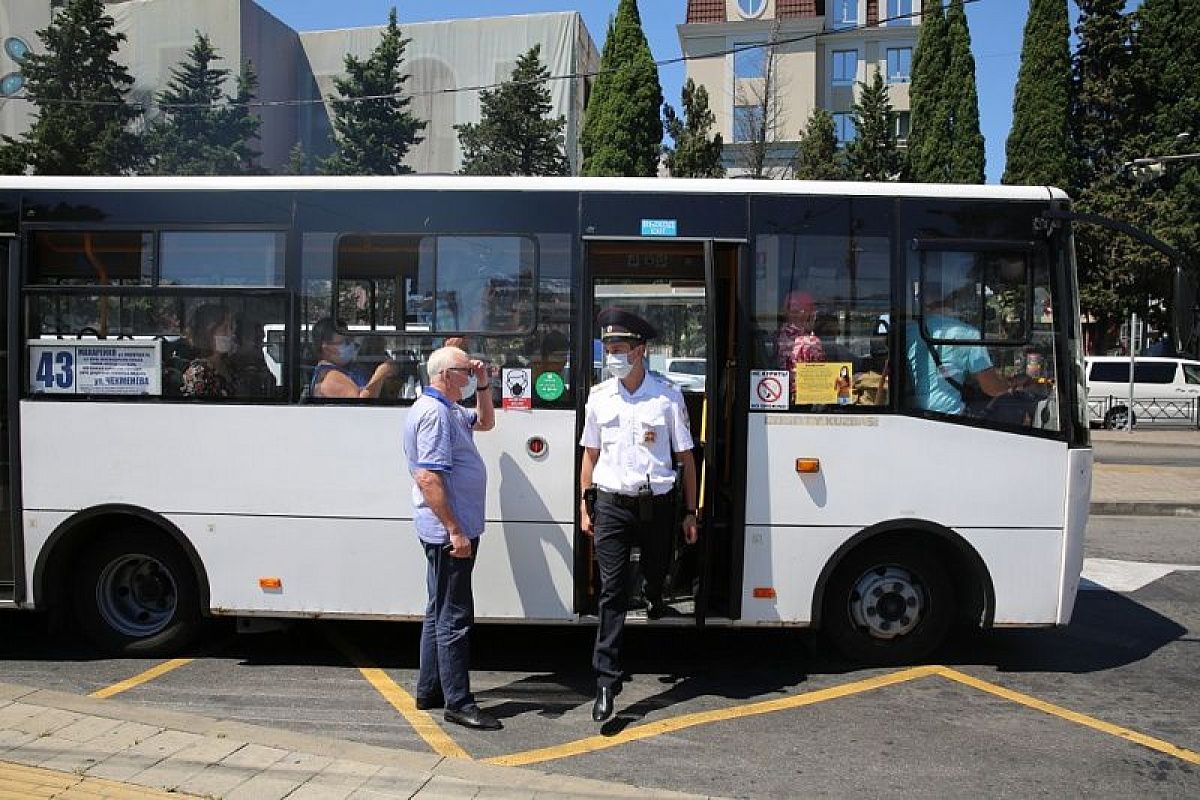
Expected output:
(817, 156)
(202, 131)
(1102, 113)
(695, 154)
(873, 155)
(83, 120)
(967, 159)
(1038, 149)
(622, 130)
(515, 134)
(298, 162)
(929, 134)
(373, 128)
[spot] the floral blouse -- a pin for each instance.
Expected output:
(200, 379)
(794, 345)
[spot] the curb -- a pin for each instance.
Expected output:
(1145, 509)
(494, 780)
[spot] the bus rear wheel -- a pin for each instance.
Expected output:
(136, 595)
(888, 605)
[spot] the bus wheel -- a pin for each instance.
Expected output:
(136, 595)
(1119, 418)
(888, 605)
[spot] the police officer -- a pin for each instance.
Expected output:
(634, 426)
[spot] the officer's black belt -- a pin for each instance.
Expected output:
(631, 500)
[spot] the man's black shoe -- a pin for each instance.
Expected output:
(473, 717)
(433, 701)
(602, 709)
(656, 610)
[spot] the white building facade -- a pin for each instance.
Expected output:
(443, 60)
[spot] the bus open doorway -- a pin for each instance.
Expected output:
(688, 291)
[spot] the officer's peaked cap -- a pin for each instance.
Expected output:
(617, 323)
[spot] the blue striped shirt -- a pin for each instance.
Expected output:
(439, 436)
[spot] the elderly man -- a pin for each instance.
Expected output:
(635, 427)
(449, 485)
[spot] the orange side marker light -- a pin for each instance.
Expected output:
(764, 593)
(271, 584)
(808, 466)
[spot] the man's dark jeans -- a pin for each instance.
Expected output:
(618, 530)
(445, 635)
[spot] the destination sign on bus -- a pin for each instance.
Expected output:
(96, 367)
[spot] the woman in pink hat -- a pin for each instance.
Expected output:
(796, 342)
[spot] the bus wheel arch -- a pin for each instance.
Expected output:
(133, 580)
(932, 570)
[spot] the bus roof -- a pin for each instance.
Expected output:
(523, 184)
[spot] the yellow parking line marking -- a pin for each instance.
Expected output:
(138, 680)
(1072, 716)
(594, 743)
(402, 701)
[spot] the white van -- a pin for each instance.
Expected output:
(1164, 390)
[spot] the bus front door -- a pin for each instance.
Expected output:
(686, 290)
(8, 528)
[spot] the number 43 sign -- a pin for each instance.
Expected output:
(96, 367)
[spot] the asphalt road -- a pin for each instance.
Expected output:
(1127, 662)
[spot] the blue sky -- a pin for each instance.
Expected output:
(996, 30)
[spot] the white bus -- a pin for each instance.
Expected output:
(867, 489)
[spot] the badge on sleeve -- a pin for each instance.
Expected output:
(648, 436)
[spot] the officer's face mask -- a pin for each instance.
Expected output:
(618, 364)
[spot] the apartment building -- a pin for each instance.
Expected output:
(768, 63)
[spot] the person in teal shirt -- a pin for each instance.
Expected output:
(938, 386)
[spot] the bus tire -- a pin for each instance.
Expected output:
(888, 605)
(136, 595)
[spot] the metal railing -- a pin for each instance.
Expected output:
(1161, 410)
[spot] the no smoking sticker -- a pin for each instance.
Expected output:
(769, 389)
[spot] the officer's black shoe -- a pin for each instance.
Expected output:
(433, 701)
(473, 717)
(602, 709)
(657, 609)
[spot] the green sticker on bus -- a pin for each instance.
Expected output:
(550, 386)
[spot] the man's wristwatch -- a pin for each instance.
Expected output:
(479, 389)
(691, 512)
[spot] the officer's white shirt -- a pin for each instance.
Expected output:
(636, 433)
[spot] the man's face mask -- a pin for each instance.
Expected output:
(618, 364)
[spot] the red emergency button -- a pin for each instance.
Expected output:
(536, 447)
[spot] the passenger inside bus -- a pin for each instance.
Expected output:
(797, 341)
(210, 335)
(251, 375)
(336, 375)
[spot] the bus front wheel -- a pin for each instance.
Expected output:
(136, 595)
(888, 605)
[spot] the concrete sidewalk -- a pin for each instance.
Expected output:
(1144, 489)
(57, 745)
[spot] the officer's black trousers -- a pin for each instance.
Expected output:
(617, 530)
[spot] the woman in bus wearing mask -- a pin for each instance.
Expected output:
(336, 374)
(210, 333)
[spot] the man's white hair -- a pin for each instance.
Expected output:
(442, 359)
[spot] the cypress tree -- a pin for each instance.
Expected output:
(1102, 112)
(873, 155)
(929, 133)
(1102, 98)
(1038, 147)
(622, 130)
(298, 162)
(515, 134)
(83, 121)
(201, 131)
(694, 154)
(372, 136)
(967, 159)
(817, 156)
